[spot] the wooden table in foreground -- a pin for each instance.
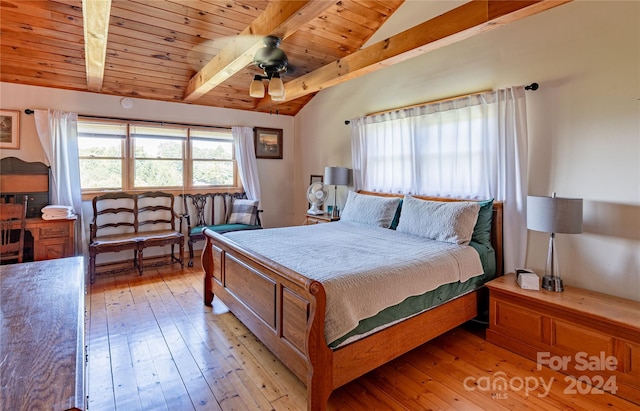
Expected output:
(42, 335)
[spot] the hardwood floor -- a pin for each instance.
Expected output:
(153, 345)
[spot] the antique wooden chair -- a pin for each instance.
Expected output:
(115, 221)
(124, 221)
(202, 210)
(13, 218)
(157, 225)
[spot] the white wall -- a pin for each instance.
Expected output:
(276, 184)
(584, 122)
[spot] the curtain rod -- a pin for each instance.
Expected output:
(29, 111)
(532, 87)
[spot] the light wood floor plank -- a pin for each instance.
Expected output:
(121, 367)
(174, 392)
(99, 377)
(495, 359)
(461, 370)
(431, 385)
(410, 393)
(169, 316)
(290, 389)
(153, 345)
(142, 353)
(193, 309)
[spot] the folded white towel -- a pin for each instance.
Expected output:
(57, 212)
(48, 216)
(57, 215)
(57, 209)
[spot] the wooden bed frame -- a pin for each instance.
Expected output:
(286, 311)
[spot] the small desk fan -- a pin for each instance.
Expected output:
(317, 194)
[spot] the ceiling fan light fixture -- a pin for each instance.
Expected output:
(276, 86)
(278, 98)
(256, 88)
(273, 62)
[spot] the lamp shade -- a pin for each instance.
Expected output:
(336, 176)
(554, 214)
(256, 88)
(276, 86)
(279, 98)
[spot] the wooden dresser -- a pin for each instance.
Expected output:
(42, 355)
(45, 239)
(592, 336)
(51, 238)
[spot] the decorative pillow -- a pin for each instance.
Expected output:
(451, 222)
(482, 229)
(243, 212)
(369, 209)
(396, 217)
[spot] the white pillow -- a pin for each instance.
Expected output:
(369, 209)
(243, 212)
(451, 222)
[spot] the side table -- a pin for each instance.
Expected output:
(592, 336)
(318, 219)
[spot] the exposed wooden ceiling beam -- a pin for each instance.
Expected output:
(281, 19)
(468, 20)
(95, 15)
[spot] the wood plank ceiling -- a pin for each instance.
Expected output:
(200, 51)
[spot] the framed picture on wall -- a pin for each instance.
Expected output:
(268, 142)
(9, 129)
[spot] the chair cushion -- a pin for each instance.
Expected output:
(224, 228)
(130, 239)
(114, 242)
(159, 234)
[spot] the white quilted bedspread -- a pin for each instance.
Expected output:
(364, 269)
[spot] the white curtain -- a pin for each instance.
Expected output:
(472, 147)
(58, 133)
(246, 158)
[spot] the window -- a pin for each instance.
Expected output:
(211, 158)
(158, 156)
(117, 155)
(440, 150)
(101, 147)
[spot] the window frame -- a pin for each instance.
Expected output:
(129, 159)
(190, 162)
(123, 150)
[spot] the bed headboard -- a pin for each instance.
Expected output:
(496, 223)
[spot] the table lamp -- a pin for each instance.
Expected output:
(336, 176)
(554, 215)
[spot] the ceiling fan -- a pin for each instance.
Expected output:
(274, 63)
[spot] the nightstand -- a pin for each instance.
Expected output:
(320, 218)
(577, 332)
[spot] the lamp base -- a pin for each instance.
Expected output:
(552, 283)
(334, 210)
